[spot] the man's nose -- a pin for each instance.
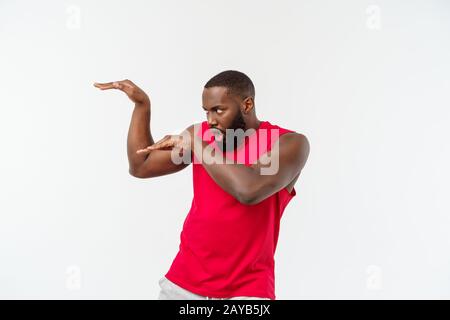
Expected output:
(211, 120)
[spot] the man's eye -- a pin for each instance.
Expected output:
(219, 111)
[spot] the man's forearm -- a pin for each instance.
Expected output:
(139, 135)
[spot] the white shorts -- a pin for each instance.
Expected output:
(171, 291)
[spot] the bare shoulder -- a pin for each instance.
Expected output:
(294, 150)
(295, 142)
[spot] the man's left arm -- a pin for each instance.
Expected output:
(273, 171)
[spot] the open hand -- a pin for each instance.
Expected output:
(136, 94)
(180, 143)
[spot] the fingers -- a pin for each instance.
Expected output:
(165, 146)
(143, 151)
(106, 86)
(162, 145)
(165, 143)
(121, 85)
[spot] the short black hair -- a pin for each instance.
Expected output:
(237, 83)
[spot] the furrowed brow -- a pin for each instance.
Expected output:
(215, 107)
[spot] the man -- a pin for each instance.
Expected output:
(244, 171)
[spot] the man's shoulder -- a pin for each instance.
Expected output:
(295, 145)
(295, 138)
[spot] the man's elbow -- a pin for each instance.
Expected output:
(251, 194)
(135, 172)
(247, 198)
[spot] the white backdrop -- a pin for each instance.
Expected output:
(366, 81)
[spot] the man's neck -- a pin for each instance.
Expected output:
(252, 124)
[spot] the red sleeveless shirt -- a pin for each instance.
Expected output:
(227, 248)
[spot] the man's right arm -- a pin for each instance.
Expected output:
(154, 163)
(157, 162)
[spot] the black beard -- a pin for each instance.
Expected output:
(238, 123)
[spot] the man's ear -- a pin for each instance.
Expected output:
(248, 104)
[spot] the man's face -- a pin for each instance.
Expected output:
(223, 112)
